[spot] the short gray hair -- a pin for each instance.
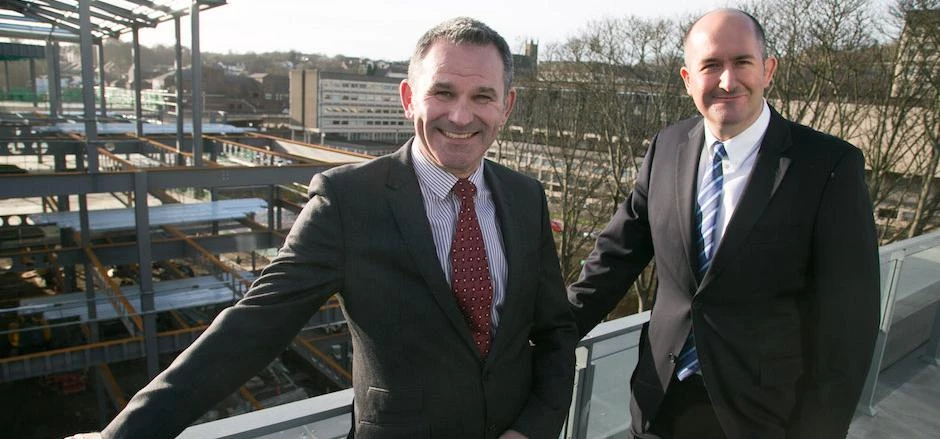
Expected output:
(462, 30)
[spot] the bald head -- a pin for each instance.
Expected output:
(727, 70)
(725, 15)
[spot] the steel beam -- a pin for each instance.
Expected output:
(26, 146)
(161, 249)
(179, 93)
(52, 80)
(130, 348)
(39, 185)
(102, 81)
(322, 362)
(88, 87)
(32, 81)
(144, 261)
(138, 110)
(196, 70)
(85, 356)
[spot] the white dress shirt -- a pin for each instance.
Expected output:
(736, 168)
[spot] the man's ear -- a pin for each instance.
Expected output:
(684, 73)
(510, 102)
(770, 67)
(406, 94)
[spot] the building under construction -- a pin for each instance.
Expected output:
(122, 238)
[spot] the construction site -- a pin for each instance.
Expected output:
(122, 237)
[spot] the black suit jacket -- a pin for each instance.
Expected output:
(785, 318)
(364, 235)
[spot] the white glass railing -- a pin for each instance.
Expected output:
(606, 358)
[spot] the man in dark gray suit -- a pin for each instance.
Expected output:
(442, 348)
(768, 297)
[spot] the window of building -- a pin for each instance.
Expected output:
(887, 213)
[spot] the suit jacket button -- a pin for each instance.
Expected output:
(672, 358)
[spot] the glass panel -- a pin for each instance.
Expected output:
(920, 270)
(614, 361)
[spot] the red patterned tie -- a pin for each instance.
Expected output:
(470, 271)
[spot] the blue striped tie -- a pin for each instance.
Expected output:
(706, 215)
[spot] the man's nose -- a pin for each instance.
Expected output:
(460, 113)
(727, 80)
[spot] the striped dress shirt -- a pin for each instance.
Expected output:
(442, 208)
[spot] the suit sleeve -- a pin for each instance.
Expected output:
(844, 309)
(247, 336)
(621, 252)
(555, 338)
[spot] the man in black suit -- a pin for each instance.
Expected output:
(768, 281)
(437, 352)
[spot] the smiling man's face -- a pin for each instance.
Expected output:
(458, 102)
(725, 72)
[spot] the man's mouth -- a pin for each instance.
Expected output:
(456, 135)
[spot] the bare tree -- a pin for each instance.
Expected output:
(842, 71)
(585, 124)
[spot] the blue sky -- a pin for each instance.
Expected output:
(388, 29)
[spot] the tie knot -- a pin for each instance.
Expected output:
(464, 189)
(720, 153)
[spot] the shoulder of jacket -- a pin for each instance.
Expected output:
(819, 144)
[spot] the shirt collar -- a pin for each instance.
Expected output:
(740, 147)
(437, 180)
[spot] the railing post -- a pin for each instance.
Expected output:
(932, 353)
(584, 384)
(867, 401)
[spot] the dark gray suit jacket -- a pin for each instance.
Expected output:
(786, 317)
(364, 235)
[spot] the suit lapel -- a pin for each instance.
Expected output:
(407, 205)
(769, 170)
(509, 228)
(687, 161)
